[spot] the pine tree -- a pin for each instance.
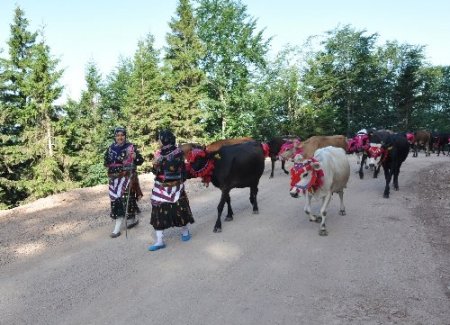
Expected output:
(13, 71)
(144, 98)
(87, 126)
(41, 144)
(185, 94)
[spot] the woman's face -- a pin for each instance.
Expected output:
(120, 138)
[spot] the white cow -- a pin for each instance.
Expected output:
(321, 176)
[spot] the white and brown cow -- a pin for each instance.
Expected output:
(319, 177)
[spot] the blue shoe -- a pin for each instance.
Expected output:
(156, 247)
(187, 237)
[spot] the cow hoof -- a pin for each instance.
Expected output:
(256, 212)
(367, 167)
(361, 175)
(395, 188)
(386, 196)
(312, 218)
(342, 212)
(323, 232)
(217, 230)
(228, 218)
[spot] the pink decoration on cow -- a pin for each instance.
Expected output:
(410, 137)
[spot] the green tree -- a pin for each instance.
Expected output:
(341, 82)
(144, 98)
(236, 54)
(409, 84)
(185, 93)
(87, 132)
(115, 92)
(14, 70)
(278, 95)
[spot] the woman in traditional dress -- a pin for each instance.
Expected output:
(170, 204)
(121, 159)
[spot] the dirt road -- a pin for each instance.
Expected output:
(386, 262)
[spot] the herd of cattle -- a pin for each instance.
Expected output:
(320, 169)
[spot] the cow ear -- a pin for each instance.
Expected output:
(316, 165)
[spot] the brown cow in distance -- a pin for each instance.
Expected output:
(422, 139)
(315, 142)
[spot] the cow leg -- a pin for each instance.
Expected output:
(376, 171)
(307, 208)
(387, 176)
(230, 213)
(273, 166)
(282, 166)
(223, 199)
(342, 207)
(253, 193)
(323, 214)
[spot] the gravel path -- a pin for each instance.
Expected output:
(386, 262)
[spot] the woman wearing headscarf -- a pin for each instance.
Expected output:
(121, 159)
(170, 204)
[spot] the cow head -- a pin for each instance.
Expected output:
(200, 164)
(291, 149)
(306, 176)
(374, 153)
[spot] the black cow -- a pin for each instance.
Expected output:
(275, 145)
(439, 140)
(376, 140)
(235, 166)
(395, 150)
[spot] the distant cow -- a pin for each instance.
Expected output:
(395, 150)
(279, 145)
(313, 143)
(321, 176)
(422, 139)
(232, 166)
(439, 140)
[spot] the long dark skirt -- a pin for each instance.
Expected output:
(167, 215)
(119, 205)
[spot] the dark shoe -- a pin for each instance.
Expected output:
(156, 247)
(133, 224)
(113, 235)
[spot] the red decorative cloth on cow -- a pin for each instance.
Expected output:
(316, 176)
(204, 172)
